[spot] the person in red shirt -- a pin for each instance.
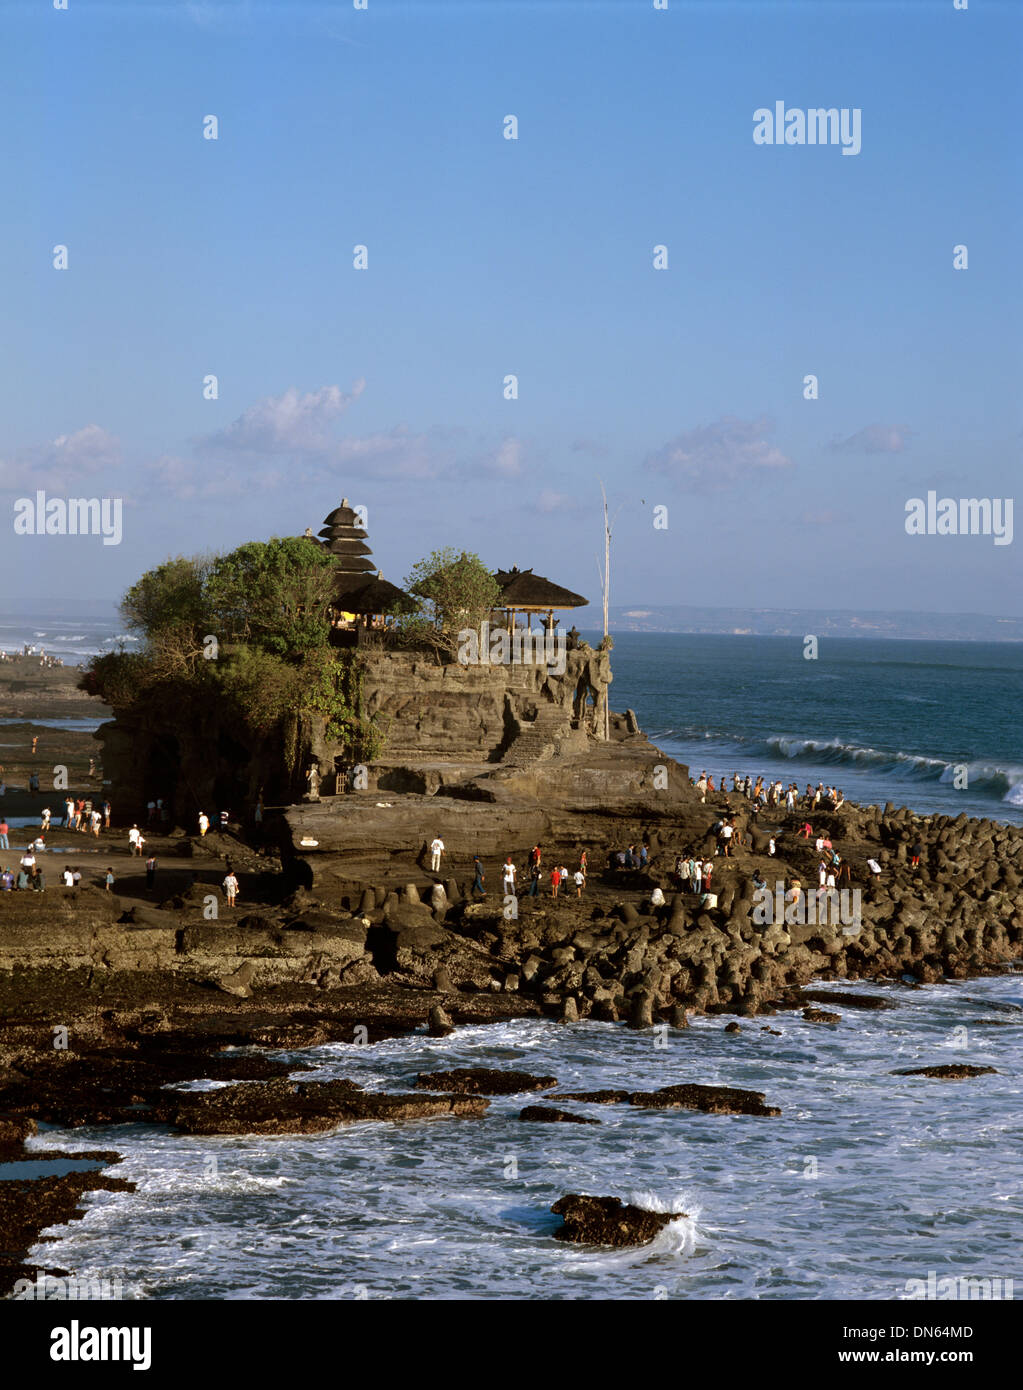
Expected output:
(555, 882)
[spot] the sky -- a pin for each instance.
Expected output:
(682, 389)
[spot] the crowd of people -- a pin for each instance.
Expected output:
(34, 653)
(771, 795)
(558, 879)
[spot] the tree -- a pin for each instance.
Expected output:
(274, 594)
(456, 591)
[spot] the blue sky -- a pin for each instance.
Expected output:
(681, 387)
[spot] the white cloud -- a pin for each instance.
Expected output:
(719, 456)
(875, 439)
(289, 423)
(64, 464)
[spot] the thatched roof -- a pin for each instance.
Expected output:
(376, 595)
(341, 544)
(342, 516)
(526, 590)
(348, 562)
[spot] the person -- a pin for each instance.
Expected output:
(759, 881)
(508, 876)
(822, 871)
(630, 858)
(436, 851)
(204, 824)
(28, 860)
(563, 874)
(806, 831)
(69, 813)
(579, 879)
(97, 821)
(231, 888)
(151, 871)
(915, 853)
(76, 877)
(582, 861)
(696, 874)
(619, 859)
(38, 882)
(44, 819)
(5, 831)
(67, 877)
(708, 870)
(33, 783)
(23, 878)
(657, 898)
(535, 875)
(644, 855)
(106, 815)
(818, 844)
(35, 742)
(535, 855)
(727, 831)
(479, 877)
(701, 787)
(225, 818)
(772, 847)
(839, 800)
(39, 844)
(874, 867)
(6, 880)
(135, 841)
(555, 882)
(109, 881)
(150, 812)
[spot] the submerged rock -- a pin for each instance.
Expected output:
(306, 1107)
(851, 1001)
(551, 1115)
(713, 1100)
(953, 1072)
(821, 1016)
(595, 1097)
(606, 1221)
(482, 1081)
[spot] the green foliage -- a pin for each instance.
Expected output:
(267, 604)
(456, 590)
(274, 594)
(172, 596)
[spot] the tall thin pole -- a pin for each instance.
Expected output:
(606, 590)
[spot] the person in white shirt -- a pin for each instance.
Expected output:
(231, 889)
(135, 841)
(204, 823)
(436, 850)
(580, 879)
(69, 878)
(508, 875)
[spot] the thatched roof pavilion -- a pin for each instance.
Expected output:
(522, 591)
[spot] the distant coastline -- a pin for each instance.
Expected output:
(799, 622)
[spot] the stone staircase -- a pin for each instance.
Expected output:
(542, 738)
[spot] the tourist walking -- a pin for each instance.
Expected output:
(204, 824)
(580, 879)
(108, 882)
(555, 882)
(479, 877)
(231, 888)
(4, 833)
(436, 851)
(508, 876)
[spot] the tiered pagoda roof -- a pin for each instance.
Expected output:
(346, 540)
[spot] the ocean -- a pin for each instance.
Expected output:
(865, 1183)
(931, 725)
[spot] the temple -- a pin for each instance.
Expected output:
(425, 720)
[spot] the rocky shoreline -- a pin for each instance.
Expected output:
(107, 999)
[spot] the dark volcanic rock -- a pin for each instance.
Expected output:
(606, 1221)
(851, 1001)
(552, 1115)
(714, 1100)
(482, 1081)
(949, 1072)
(596, 1097)
(821, 1016)
(302, 1107)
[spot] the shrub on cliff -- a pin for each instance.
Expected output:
(454, 591)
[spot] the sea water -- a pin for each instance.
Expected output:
(866, 1181)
